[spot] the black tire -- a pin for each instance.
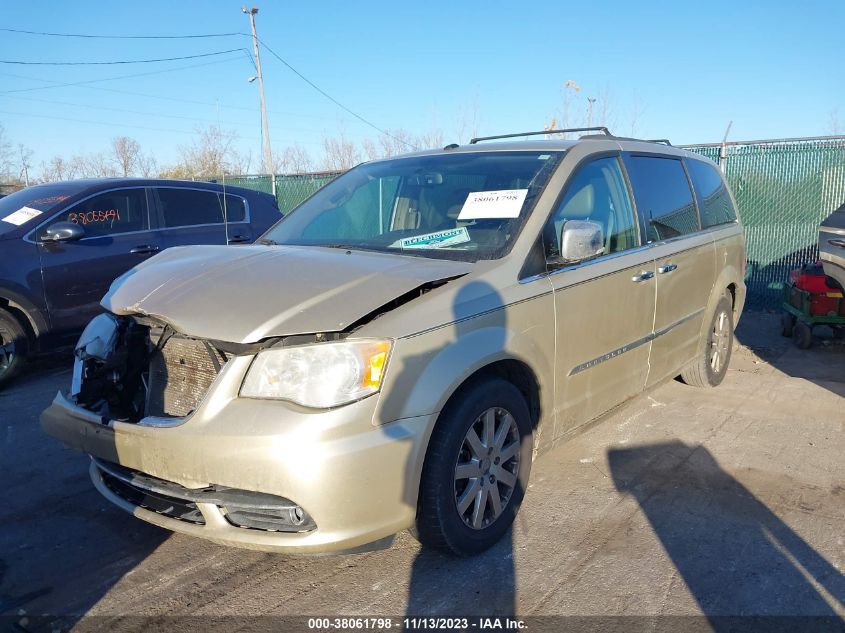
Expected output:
(440, 524)
(787, 322)
(802, 335)
(13, 347)
(839, 332)
(705, 371)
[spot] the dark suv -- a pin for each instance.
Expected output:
(62, 244)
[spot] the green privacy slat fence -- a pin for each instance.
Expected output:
(290, 189)
(784, 189)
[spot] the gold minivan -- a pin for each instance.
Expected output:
(395, 352)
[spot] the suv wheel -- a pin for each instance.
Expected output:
(712, 364)
(476, 469)
(12, 346)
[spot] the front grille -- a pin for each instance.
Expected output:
(180, 373)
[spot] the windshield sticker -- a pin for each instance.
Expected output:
(482, 205)
(439, 239)
(22, 215)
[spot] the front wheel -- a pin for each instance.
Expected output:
(476, 468)
(710, 367)
(12, 346)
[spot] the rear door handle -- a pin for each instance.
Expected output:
(145, 249)
(666, 268)
(239, 239)
(837, 242)
(646, 274)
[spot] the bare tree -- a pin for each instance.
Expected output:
(635, 114)
(6, 155)
(293, 160)
(211, 154)
(468, 121)
(340, 154)
(125, 154)
(57, 168)
(24, 162)
(834, 124)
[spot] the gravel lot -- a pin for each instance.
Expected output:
(686, 502)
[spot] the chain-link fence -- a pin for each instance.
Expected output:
(784, 189)
(290, 189)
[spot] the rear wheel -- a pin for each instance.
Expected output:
(476, 469)
(710, 367)
(13, 346)
(787, 322)
(802, 335)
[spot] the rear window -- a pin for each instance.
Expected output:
(714, 202)
(663, 196)
(189, 207)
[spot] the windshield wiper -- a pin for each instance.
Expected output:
(268, 242)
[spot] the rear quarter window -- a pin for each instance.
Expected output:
(234, 207)
(714, 201)
(663, 195)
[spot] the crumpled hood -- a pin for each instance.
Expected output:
(242, 294)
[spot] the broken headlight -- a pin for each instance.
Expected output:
(320, 376)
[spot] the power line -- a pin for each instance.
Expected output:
(147, 113)
(123, 37)
(92, 81)
(331, 98)
(87, 84)
(123, 61)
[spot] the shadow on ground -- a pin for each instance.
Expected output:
(62, 546)
(736, 557)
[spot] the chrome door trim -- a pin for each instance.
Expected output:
(632, 345)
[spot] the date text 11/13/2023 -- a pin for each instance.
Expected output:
(415, 623)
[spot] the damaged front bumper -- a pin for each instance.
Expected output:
(353, 481)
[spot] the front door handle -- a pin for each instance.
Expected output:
(837, 242)
(666, 268)
(239, 239)
(145, 249)
(646, 274)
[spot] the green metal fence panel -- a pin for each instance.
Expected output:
(783, 191)
(291, 190)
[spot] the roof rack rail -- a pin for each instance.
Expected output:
(665, 141)
(603, 129)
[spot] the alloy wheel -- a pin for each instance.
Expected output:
(7, 354)
(720, 341)
(487, 468)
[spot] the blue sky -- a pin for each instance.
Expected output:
(773, 68)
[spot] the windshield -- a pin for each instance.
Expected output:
(466, 206)
(32, 204)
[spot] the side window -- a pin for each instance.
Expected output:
(714, 202)
(110, 213)
(189, 207)
(598, 193)
(234, 207)
(664, 198)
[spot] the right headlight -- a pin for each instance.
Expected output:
(321, 375)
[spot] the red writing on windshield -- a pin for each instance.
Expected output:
(92, 217)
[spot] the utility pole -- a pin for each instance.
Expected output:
(265, 130)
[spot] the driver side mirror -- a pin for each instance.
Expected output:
(63, 232)
(581, 240)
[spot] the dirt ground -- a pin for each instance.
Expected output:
(704, 503)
